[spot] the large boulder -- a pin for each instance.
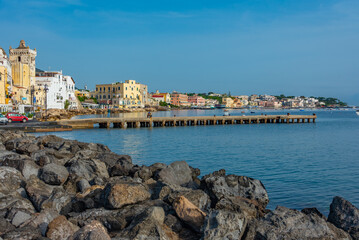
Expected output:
(222, 224)
(92, 231)
(12, 202)
(89, 198)
(23, 233)
(221, 186)
(9, 135)
(344, 215)
(148, 225)
(198, 197)
(189, 213)
(60, 228)
(38, 191)
(10, 180)
(41, 220)
(119, 195)
(87, 168)
(54, 174)
(285, 223)
(25, 145)
(249, 207)
(178, 173)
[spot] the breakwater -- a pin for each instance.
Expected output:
(65, 189)
(143, 122)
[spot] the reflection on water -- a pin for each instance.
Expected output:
(301, 165)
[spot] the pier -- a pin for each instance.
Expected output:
(185, 121)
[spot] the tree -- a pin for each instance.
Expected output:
(163, 104)
(67, 104)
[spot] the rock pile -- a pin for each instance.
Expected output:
(53, 188)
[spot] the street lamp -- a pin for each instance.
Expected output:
(46, 89)
(32, 90)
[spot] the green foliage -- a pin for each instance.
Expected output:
(219, 99)
(94, 100)
(29, 115)
(163, 104)
(81, 98)
(67, 104)
(331, 101)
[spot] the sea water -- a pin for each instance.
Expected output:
(301, 165)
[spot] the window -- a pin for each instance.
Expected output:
(109, 96)
(96, 89)
(109, 89)
(100, 89)
(100, 97)
(119, 88)
(126, 88)
(19, 58)
(104, 96)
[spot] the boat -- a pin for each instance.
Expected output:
(220, 105)
(357, 112)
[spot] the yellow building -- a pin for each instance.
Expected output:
(228, 102)
(127, 94)
(23, 72)
(5, 79)
(82, 93)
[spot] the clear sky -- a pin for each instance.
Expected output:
(301, 47)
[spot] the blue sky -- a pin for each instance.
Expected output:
(291, 47)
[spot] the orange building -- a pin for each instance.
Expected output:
(179, 99)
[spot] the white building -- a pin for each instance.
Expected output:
(61, 89)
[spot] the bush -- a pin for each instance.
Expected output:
(67, 104)
(163, 104)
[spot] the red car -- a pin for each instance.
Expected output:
(15, 117)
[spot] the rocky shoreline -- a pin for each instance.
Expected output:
(54, 188)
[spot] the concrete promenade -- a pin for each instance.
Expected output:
(185, 121)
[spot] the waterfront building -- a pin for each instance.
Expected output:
(82, 93)
(60, 93)
(161, 97)
(23, 69)
(228, 102)
(180, 100)
(5, 82)
(127, 94)
(196, 100)
(211, 102)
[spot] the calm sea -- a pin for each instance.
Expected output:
(301, 165)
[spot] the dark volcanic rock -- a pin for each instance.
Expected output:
(118, 195)
(23, 233)
(177, 173)
(38, 191)
(60, 228)
(249, 207)
(87, 168)
(222, 224)
(10, 180)
(284, 223)
(92, 231)
(148, 225)
(344, 215)
(54, 174)
(219, 187)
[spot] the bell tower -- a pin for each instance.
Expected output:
(23, 68)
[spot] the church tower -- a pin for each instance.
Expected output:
(23, 71)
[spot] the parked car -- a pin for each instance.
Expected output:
(3, 119)
(16, 117)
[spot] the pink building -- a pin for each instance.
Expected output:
(179, 99)
(196, 100)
